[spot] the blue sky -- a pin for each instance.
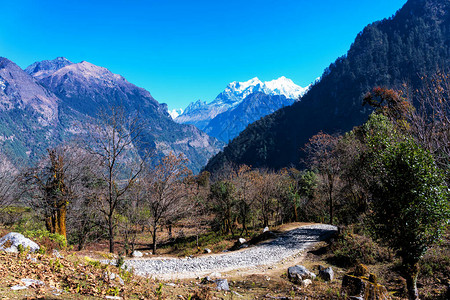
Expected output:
(182, 51)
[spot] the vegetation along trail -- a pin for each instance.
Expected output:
(272, 252)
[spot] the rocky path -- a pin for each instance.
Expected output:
(289, 244)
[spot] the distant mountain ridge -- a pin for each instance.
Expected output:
(414, 42)
(203, 114)
(51, 102)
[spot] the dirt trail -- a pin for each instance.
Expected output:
(286, 248)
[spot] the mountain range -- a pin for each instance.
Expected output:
(52, 101)
(415, 42)
(240, 104)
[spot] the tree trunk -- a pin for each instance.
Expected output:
(330, 191)
(111, 234)
(61, 221)
(412, 272)
(295, 211)
(154, 239)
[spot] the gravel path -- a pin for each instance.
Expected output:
(290, 243)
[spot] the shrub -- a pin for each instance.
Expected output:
(44, 238)
(350, 249)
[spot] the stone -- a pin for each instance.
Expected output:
(222, 285)
(57, 254)
(18, 287)
(242, 241)
(12, 240)
(137, 254)
(266, 229)
(113, 297)
(306, 282)
(361, 288)
(32, 259)
(326, 274)
(29, 281)
(207, 251)
(298, 273)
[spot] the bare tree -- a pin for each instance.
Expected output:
(430, 121)
(165, 192)
(114, 140)
(323, 155)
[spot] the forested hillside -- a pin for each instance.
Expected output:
(400, 50)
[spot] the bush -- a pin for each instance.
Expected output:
(350, 249)
(44, 238)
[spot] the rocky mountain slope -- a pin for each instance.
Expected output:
(50, 103)
(218, 117)
(401, 49)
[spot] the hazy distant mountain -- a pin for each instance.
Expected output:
(44, 110)
(202, 114)
(413, 43)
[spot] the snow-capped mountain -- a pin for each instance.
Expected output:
(201, 114)
(55, 101)
(175, 112)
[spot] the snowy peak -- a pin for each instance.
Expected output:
(236, 91)
(200, 113)
(175, 112)
(284, 86)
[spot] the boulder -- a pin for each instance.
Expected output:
(207, 251)
(326, 274)
(358, 286)
(222, 285)
(242, 241)
(298, 273)
(12, 240)
(265, 229)
(137, 254)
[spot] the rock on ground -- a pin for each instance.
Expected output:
(326, 274)
(298, 273)
(12, 240)
(222, 285)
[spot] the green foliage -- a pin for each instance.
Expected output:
(158, 291)
(120, 261)
(350, 249)
(410, 201)
(43, 236)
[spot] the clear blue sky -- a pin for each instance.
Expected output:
(185, 50)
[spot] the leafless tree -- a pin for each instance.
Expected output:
(165, 192)
(323, 155)
(114, 140)
(430, 121)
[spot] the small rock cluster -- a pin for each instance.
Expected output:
(301, 275)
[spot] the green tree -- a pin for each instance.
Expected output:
(410, 204)
(224, 202)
